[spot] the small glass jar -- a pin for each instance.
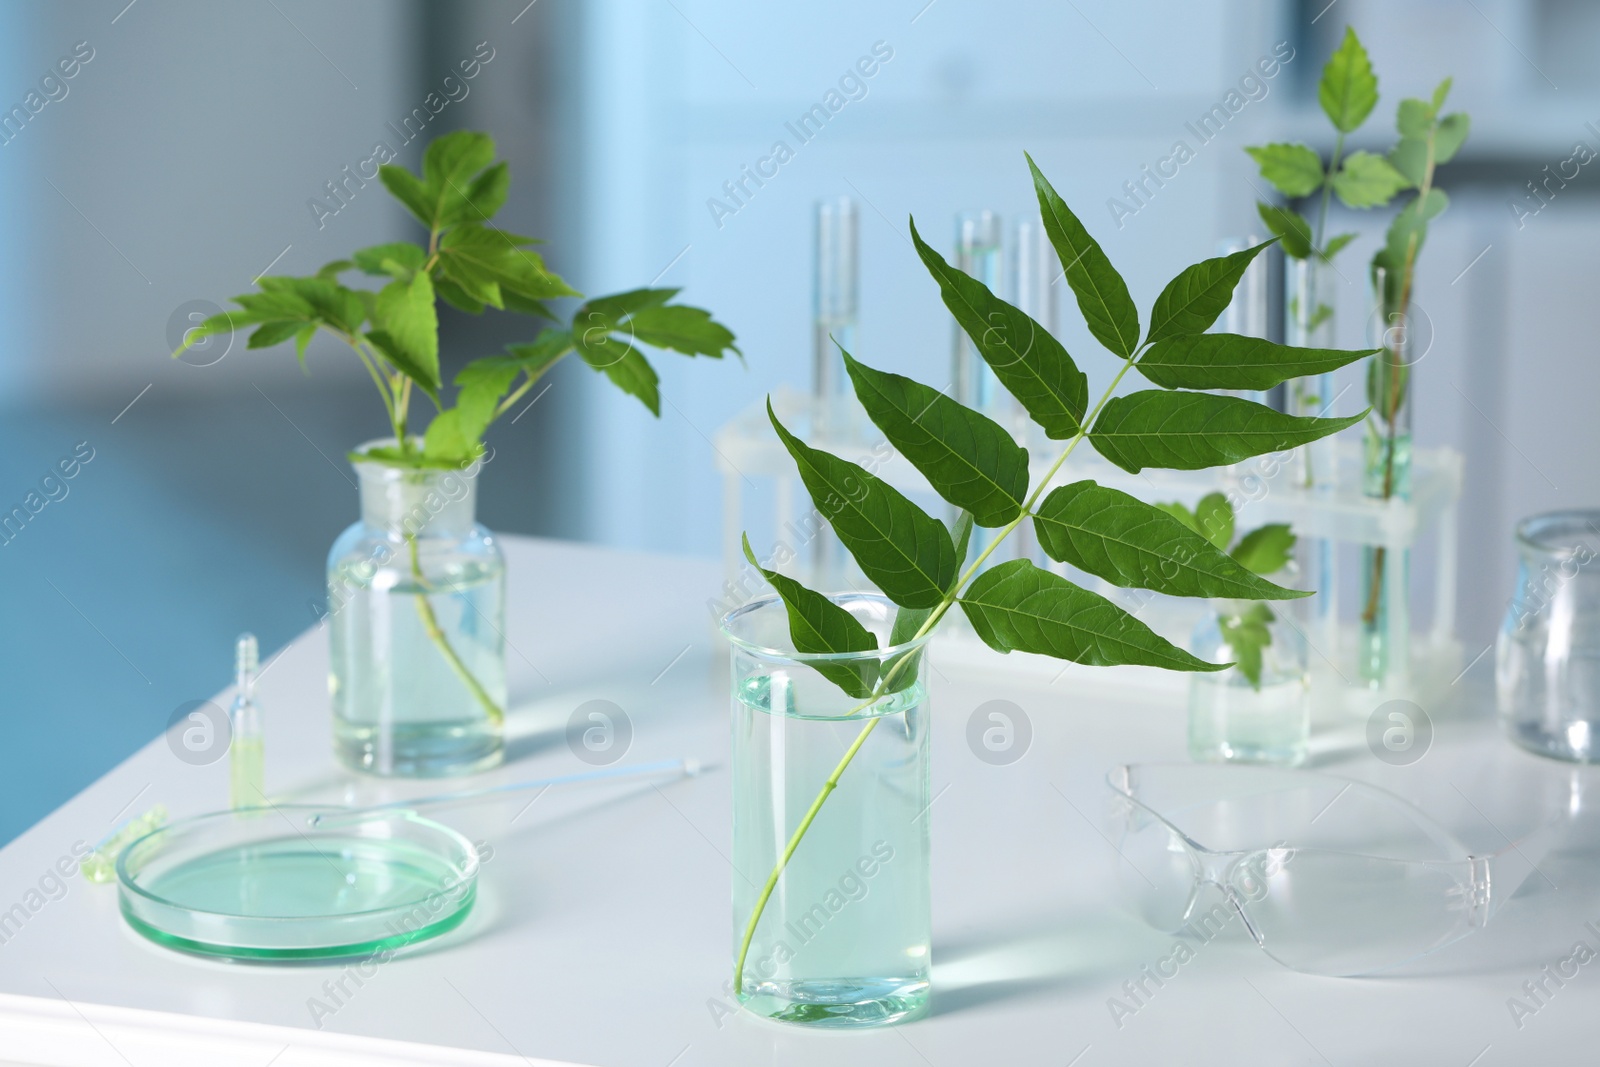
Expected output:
(1547, 656)
(843, 933)
(1230, 718)
(416, 614)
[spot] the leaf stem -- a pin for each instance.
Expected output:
(884, 683)
(369, 361)
(430, 623)
(1327, 194)
(510, 401)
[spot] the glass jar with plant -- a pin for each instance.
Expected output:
(1427, 139)
(875, 656)
(417, 587)
(1260, 711)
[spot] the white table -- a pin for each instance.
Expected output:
(603, 931)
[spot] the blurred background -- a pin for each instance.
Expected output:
(191, 150)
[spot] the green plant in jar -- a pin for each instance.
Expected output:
(392, 326)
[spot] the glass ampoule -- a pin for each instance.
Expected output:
(246, 770)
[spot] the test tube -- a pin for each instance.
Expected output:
(1034, 269)
(836, 295)
(836, 291)
(977, 254)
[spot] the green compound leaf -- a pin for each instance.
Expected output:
(1365, 180)
(1413, 118)
(1229, 361)
(1409, 158)
(1017, 607)
(681, 328)
(476, 201)
(818, 626)
(969, 459)
(1439, 93)
(1179, 512)
(408, 330)
(1349, 90)
(1451, 134)
(406, 188)
(456, 157)
(383, 259)
(542, 353)
(1289, 227)
(1027, 359)
(907, 621)
(901, 549)
(619, 306)
(1193, 431)
(1213, 520)
(1192, 301)
(1266, 549)
(485, 262)
(343, 309)
(618, 359)
(1246, 634)
(1135, 545)
(1335, 244)
(482, 384)
(457, 297)
(1102, 295)
(301, 340)
(274, 333)
(1293, 169)
(1408, 231)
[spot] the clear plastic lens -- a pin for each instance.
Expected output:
(1340, 914)
(1156, 871)
(1331, 876)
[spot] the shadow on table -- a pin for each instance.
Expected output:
(1034, 956)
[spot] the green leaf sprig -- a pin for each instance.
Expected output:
(471, 266)
(975, 464)
(1348, 91)
(1262, 552)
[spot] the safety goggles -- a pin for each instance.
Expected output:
(1330, 876)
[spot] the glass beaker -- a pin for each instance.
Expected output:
(1547, 656)
(1234, 719)
(839, 934)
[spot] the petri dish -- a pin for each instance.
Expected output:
(297, 882)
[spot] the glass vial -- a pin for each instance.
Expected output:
(246, 755)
